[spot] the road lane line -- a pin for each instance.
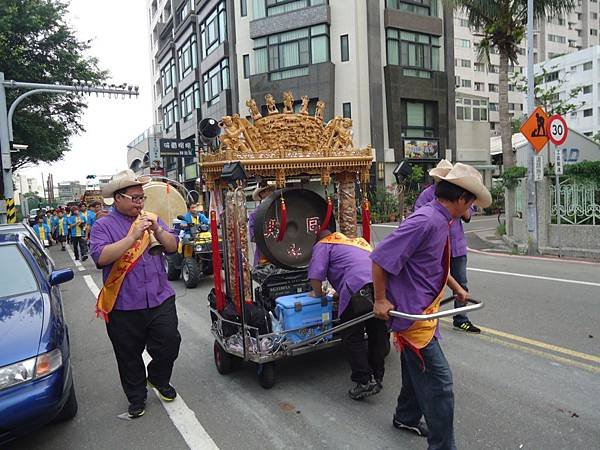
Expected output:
(478, 230)
(548, 258)
(181, 415)
(77, 263)
(537, 277)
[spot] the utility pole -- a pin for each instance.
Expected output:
(8, 212)
(532, 225)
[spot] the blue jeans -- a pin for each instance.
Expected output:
(428, 393)
(458, 270)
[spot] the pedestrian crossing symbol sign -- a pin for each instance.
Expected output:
(534, 129)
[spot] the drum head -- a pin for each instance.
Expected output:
(163, 200)
(305, 211)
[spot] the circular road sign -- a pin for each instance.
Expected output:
(557, 129)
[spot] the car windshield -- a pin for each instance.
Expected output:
(16, 276)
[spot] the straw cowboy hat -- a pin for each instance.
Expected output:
(260, 188)
(441, 170)
(121, 180)
(469, 178)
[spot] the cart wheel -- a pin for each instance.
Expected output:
(266, 375)
(222, 359)
(190, 272)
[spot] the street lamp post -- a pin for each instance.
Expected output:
(7, 210)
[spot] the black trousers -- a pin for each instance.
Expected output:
(154, 329)
(79, 244)
(366, 357)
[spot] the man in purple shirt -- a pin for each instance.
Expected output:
(262, 191)
(458, 244)
(144, 315)
(345, 264)
(409, 272)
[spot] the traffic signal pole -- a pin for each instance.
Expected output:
(8, 212)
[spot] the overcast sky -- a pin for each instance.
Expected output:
(118, 30)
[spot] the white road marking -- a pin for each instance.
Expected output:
(537, 277)
(478, 230)
(77, 263)
(181, 415)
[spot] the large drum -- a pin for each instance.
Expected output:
(305, 212)
(164, 200)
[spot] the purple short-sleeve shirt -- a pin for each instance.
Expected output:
(412, 255)
(347, 268)
(146, 286)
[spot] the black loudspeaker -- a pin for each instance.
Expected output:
(402, 171)
(233, 172)
(208, 129)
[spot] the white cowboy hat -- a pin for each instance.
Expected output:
(469, 178)
(259, 189)
(121, 180)
(441, 170)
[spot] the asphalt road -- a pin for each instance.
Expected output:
(530, 381)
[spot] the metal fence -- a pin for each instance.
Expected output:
(578, 204)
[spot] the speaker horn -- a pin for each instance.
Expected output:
(209, 130)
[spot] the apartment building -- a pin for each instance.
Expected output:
(553, 36)
(577, 70)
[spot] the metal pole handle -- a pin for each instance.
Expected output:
(475, 304)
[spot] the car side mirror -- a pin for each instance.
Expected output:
(60, 276)
(180, 217)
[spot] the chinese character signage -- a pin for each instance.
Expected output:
(421, 149)
(177, 147)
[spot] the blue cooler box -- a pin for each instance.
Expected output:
(302, 310)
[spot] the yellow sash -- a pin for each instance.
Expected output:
(195, 220)
(61, 229)
(421, 332)
(340, 238)
(110, 291)
(42, 233)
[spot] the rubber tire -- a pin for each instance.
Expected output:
(190, 268)
(266, 375)
(69, 410)
(174, 266)
(223, 360)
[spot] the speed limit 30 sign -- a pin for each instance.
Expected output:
(557, 129)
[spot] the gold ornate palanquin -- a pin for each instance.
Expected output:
(284, 144)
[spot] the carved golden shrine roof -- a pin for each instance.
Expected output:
(287, 143)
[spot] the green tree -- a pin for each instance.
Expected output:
(502, 26)
(37, 45)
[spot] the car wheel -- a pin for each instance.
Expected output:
(69, 410)
(190, 272)
(223, 360)
(266, 375)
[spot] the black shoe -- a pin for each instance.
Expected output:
(467, 326)
(167, 393)
(63, 249)
(419, 429)
(136, 410)
(361, 390)
(378, 386)
(77, 258)
(84, 258)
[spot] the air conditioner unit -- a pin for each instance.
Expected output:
(457, 81)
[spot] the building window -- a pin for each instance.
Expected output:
(464, 43)
(557, 38)
(552, 76)
(588, 112)
(420, 7)
(479, 67)
(187, 57)
(288, 55)
(344, 47)
(587, 89)
(264, 8)
(465, 83)
(593, 32)
(189, 100)
(420, 119)
(170, 115)
(243, 8)
(479, 86)
(493, 106)
(587, 65)
(463, 23)
(213, 30)
(168, 76)
(347, 110)
(413, 50)
(246, 60)
(493, 68)
(492, 87)
(594, 15)
(215, 81)
(184, 10)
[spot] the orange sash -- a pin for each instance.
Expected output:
(110, 291)
(340, 238)
(421, 332)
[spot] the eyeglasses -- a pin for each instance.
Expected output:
(135, 198)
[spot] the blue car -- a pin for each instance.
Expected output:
(36, 379)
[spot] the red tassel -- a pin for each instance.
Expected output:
(366, 221)
(327, 219)
(216, 260)
(283, 224)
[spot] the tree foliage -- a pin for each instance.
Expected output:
(37, 45)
